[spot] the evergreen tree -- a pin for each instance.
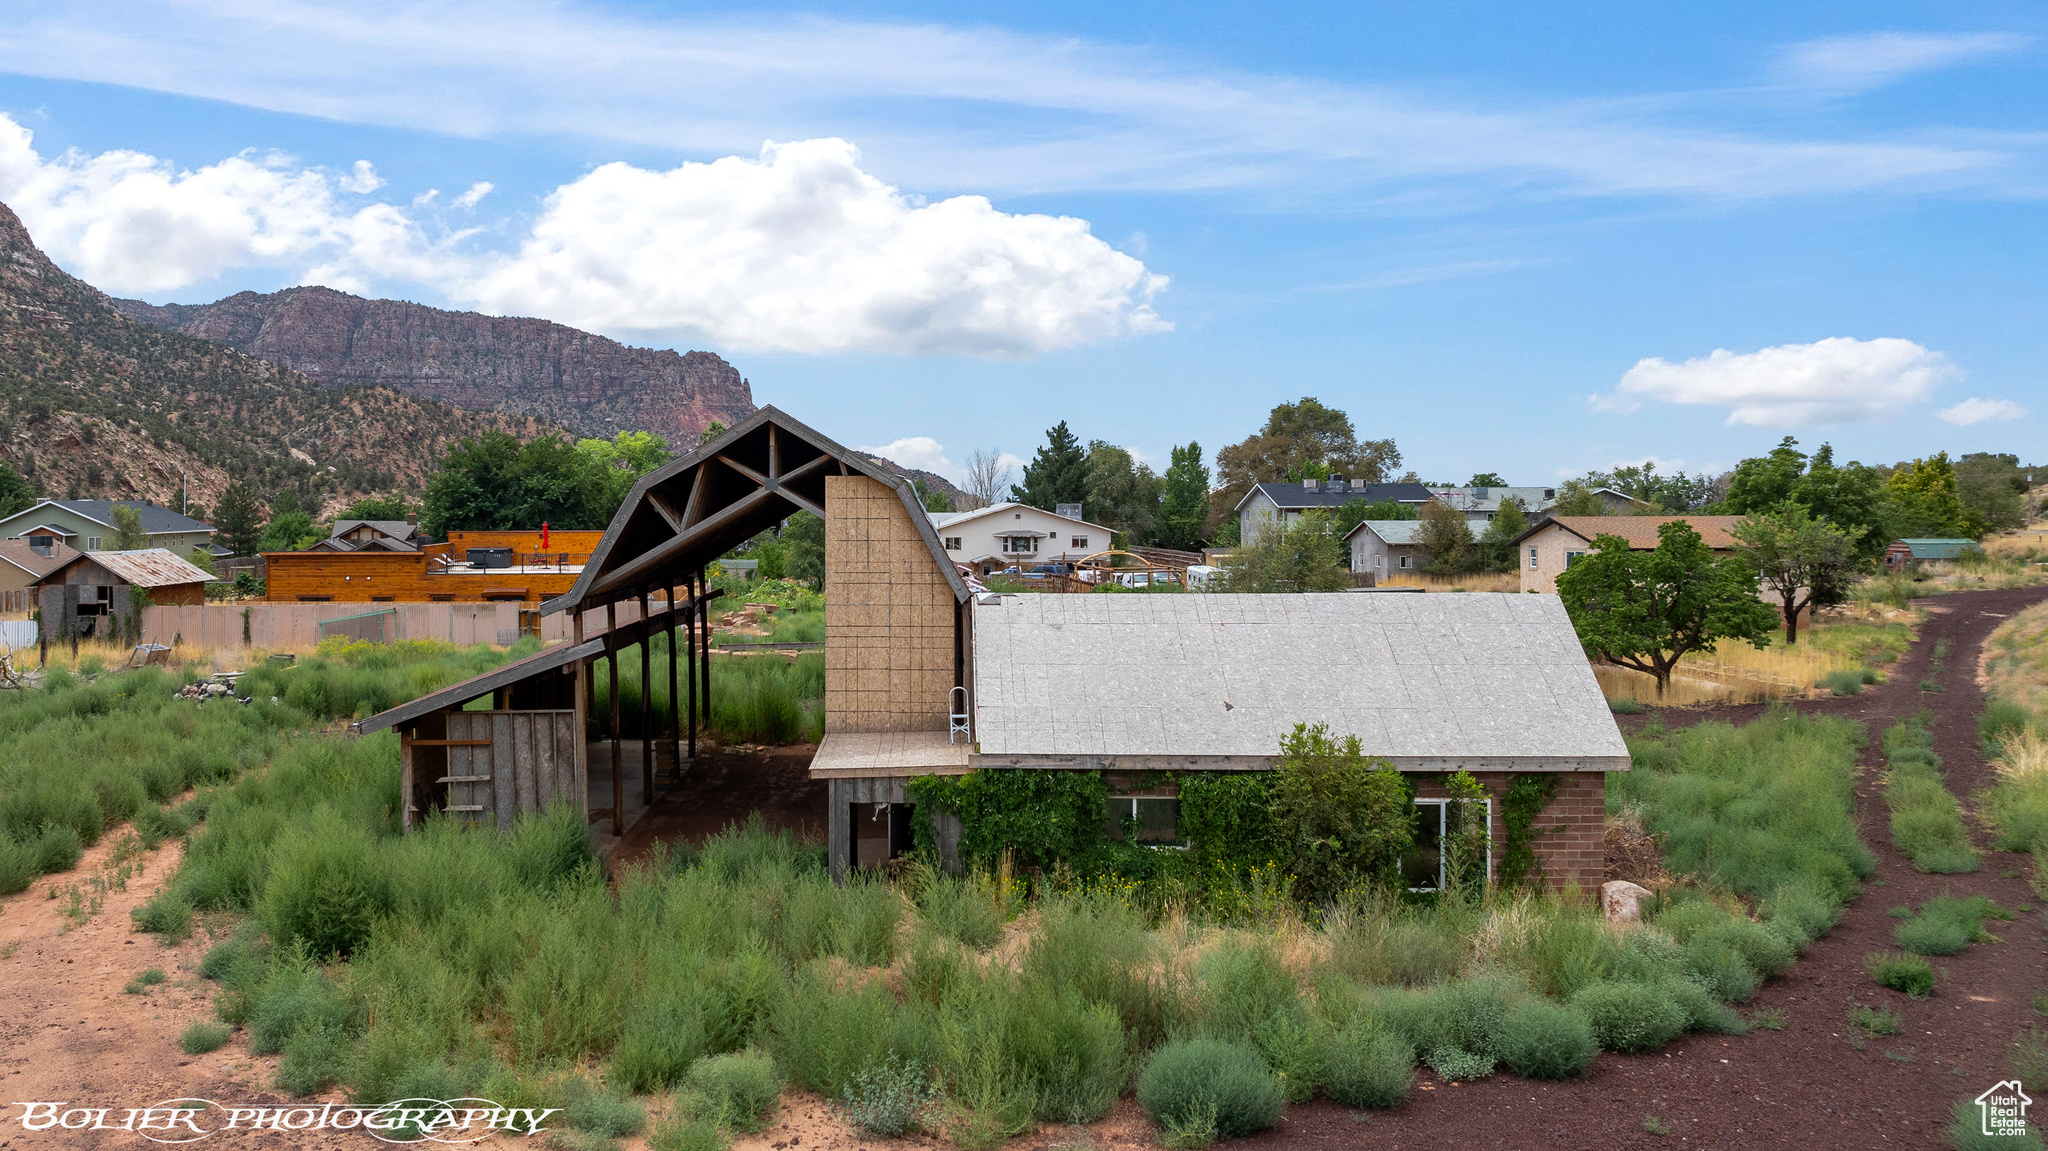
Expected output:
(1497, 544)
(1184, 502)
(128, 533)
(15, 494)
(237, 523)
(1058, 474)
(1445, 538)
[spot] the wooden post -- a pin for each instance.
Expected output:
(646, 701)
(675, 716)
(405, 776)
(690, 657)
(611, 651)
(705, 656)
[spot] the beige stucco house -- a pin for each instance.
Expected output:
(1546, 549)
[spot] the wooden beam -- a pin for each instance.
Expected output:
(675, 716)
(611, 619)
(774, 453)
(693, 509)
(744, 470)
(690, 655)
(640, 565)
(646, 703)
(675, 519)
(802, 502)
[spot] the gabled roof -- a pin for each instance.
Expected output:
(396, 529)
(951, 520)
(1640, 531)
(1291, 496)
(150, 567)
(1489, 499)
(689, 512)
(1484, 681)
(35, 563)
(155, 520)
(1395, 532)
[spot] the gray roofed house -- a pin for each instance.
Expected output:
(1265, 501)
(88, 525)
(1481, 504)
(372, 535)
(1385, 547)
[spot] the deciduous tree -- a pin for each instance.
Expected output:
(1922, 501)
(988, 478)
(1803, 560)
(1497, 543)
(1301, 555)
(15, 494)
(1305, 438)
(128, 534)
(1184, 499)
(1647, 609)
(1123, 494)
(1445, 538)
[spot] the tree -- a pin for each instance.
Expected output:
(1576, 498)
(288, 531)
(1123, 495)
(622, 460)
(15, 494)
(803, 549)
(1497, 543)
(929, 498)
(1647, 609)
(376, 508)
(1305, 438)
(1184, 499)
(1850, 496)
(1764, 482)
(203, 560)
(1345, 817)
(1486, 480)
(1921, 501)
(1058, 474)
(1993, 489)
(128, 534)
(988, 478)
(494, 483)
(711, 431)
(1301, 555)
(1805, 561)
(1445, 538)
(237, 522)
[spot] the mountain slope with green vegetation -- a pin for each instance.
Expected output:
(95, 405)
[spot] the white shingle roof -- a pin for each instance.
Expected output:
(1483, 681)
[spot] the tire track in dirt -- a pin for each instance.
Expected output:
(1804, 1086)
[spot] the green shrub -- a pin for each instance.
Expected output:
(1295, 1045)
(1368, 1066)
(1346, 817)
(741, 1087)
(1702, 1011)
(1630, 1017)
(1544, 1040)
(1876, 1020)
(203, 1037)
(58, 848)
(603, 1113)
(1201, 1089)
(168, 916)
(325, 888)
(1625, 706)
(1946, 925)
(888, 1098)
(1909, 974)
(1926, 822)
(17, 865)
(968, 910)
(314, 1057)
(1843, 682)
(681, 1131)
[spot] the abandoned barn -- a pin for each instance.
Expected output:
(924, 677)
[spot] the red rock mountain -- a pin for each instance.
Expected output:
(586, 383)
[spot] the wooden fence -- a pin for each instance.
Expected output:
(17, 602)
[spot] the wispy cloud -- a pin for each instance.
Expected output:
(1977, 411)
(1859, 63)
(940, 107)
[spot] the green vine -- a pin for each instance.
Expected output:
(1527, 797)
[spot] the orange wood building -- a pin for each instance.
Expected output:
(516, 571)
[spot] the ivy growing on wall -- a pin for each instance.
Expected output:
(1040, 817)
(1527, 797)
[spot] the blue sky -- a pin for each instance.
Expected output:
(1532, 239)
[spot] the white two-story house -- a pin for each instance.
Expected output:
(1016, 535)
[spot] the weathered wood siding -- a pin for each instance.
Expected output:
(532, 760)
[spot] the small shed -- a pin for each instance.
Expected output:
(158, 571)
(488, 766)
(1905, 553)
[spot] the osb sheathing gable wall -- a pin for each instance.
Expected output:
(888, 615)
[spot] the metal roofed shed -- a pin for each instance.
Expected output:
(1478, 682)
(1913, 551)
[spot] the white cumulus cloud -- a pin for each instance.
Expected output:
(802, 250)
(1976, 411)
(922, 453)
(1831, 381)
(798, 249)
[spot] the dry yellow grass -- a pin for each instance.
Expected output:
(1739, 673)
(2015, 661)
(2023, 755)
(1481, 581)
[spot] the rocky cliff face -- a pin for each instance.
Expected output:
(586, 383)
(95, 405)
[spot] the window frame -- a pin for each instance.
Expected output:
(1180, 841)
(1532, 559)
(952, 543)
(1443, 806)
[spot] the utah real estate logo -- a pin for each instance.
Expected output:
(2004, 1109)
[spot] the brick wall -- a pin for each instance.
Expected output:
(1571, 833)
(889, 615)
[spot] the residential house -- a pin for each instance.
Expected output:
(1481, 504)
(1554, 544)
(373, 535)
(1017, 535)
(472, 567)
(1386, 547)
(88, 525)
(1264, 502)
(23, 562)
(102, 577)
(1907, 553)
